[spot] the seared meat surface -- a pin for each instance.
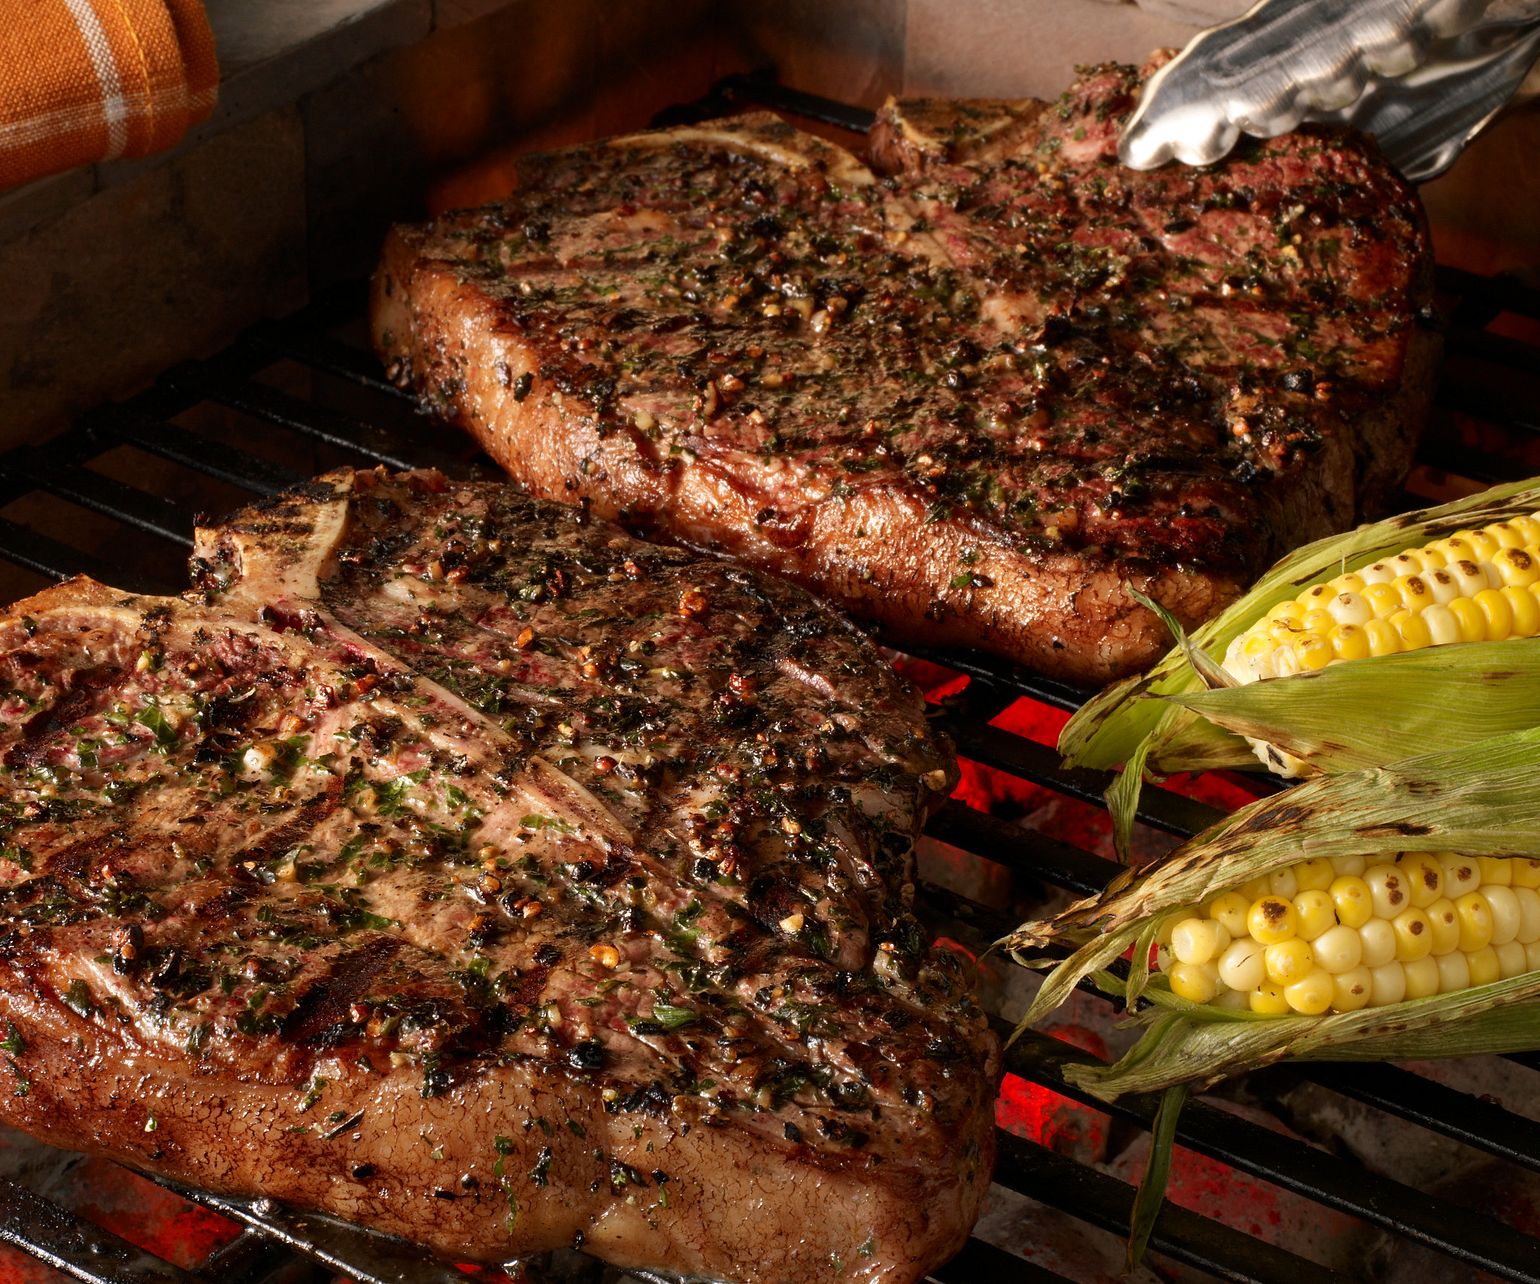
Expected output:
(466, 868)
(969, 400)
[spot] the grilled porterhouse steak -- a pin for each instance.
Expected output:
(476, 872)
(969, 400)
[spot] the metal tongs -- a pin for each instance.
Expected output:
(1422, 76)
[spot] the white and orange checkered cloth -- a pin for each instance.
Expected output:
(92, 80)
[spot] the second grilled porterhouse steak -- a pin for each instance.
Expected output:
(969, 401)
(476, 872)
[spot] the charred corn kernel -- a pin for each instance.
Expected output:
(1495, 870)
(1311, 994)
(1529, 913)
(1484, 966)
(1516, 566)
(1442, 585)
(1444, 923)
(1283, 882)
(1339, 949)
(1350, 990)
(1423, 877)
(1197, 940)
(1313, 652)
(1526, 872)
(1413, 591)
(1378, 573)
(1504, 906)
(1314, 914)
(1421, 978)
(1475, 918)
(1477, 546)
(1271, 920)
(1511, 959)
(1268, 999)
(1387, 889)
(1378, 939)
(1314, 875)
(1469, 577)
(1461, 874)
(1387, 984)
(1229, 910)
(1195, 982)
(1526, 611)
(1453, 972)
(1414, 935)
(1288, 961)
(1348, 608)
(1241, 966)
(1351, 900)
(1497, 614)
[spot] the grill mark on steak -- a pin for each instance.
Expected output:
(521, 849)
(969, 401)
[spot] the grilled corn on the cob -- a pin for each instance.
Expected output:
(1473, 586)
(1348, 933)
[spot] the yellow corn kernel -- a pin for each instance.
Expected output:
(1444, 923)
(1526, 611)
(1415, 630)
(1495, 870)
(1453, 972)
(1338, 950)
(1267, 999)
(1314, 914)
(1504, 907)
(1350, 990)
(1314, 875)
(1229, 910)
(1195, 982)
(1314, 597)
(1472, 622)
(1526, 871)
(1313, 652)
(1379, 942)
(1529, 913)
(1348, 607)
(1507, 536)
(1461, 874)
(1290, 612)
(1484, 966)
(1387, 888)
(1283, 882)
(1241, 967)
(1496, 614)
(1528, 527)
(1253, 891)
(1414, 593)
(1532, 956)
(1318, 621)
(1387, 984)
(1421, 978)
(1350, 866)
(1288, 961)
(1516, 567)
(1378, 573)
(1469, 578)
(1424, 877)
(1231, 1000)
(1382, 599)
(1441, 625)
(1511, 959)
(1350, 642)
(1414, 935)
(1475, 918)
(1352, 582)
(1383, 638)
(1475, 546)
(1310, 995)
(1258, 644)
(1197, 940)
(1351, 899)
(1442, 585)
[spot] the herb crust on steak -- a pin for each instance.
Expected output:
(971, 399)
(471, 870)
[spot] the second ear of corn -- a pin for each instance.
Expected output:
(1347, 933)
(1475, 586)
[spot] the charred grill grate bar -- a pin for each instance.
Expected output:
(294, 397)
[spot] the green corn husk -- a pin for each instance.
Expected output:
(1169, 719)
(1479, 801)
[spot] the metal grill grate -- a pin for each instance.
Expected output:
(291, 398)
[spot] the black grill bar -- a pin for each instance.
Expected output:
(99, 494)
(80, 1250)
(211, 458)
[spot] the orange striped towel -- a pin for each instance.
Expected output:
(92, 80)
